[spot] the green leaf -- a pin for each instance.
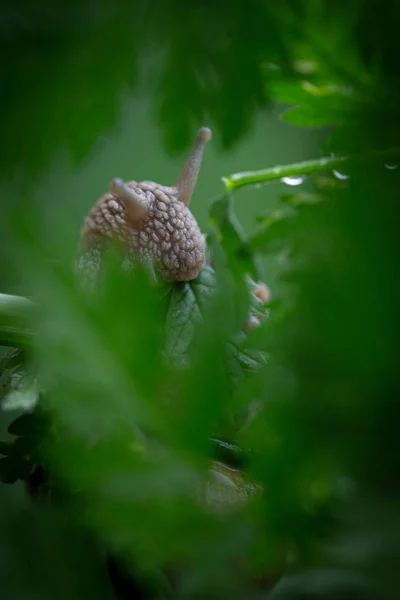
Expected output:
(232, 238)
(83, 67)
(15, 467)
(301, 198)
(314, 102)
(15, 316)
(233, 257)
(187, 301)
(284, 228)
(21, 446)
(48, 554)
(243, 360)
(7, 448)
(9, 470)
(275, 231)
(71, 69)
(28, 424)
(188, 306)
(288, 91)
(16, 337)
(308, 116)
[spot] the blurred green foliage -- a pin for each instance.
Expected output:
(165, 452)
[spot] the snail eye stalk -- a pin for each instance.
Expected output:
(187, 181)
(135, 207)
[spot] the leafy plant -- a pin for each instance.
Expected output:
(188, 453)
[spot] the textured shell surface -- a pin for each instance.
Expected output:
(168, 237)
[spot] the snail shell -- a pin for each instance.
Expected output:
(151, 223)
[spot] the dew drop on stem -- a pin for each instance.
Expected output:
(341, 176)
(293, 180)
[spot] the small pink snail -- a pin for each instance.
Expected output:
(150, 222)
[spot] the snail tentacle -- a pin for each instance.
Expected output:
(188, 178)
(135, 207)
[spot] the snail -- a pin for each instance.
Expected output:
(152, 223)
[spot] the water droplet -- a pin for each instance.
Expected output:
(341, 176)
(391, 167)
(293, 180)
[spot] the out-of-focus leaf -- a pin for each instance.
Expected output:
(6, 448)
(45, 554)
(344, 109)
(301, 198)
(276, 228)
(23, 452)
(200, 80)
(323, 584)
(317, 103)
(18, 462)
(28, 424)
(74, 66)
(70, 76)
(23, 396)
(289, 228)
(307, 117)
(135, 458)
(9, 470)
(15, 319)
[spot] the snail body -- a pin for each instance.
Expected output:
(151, 223)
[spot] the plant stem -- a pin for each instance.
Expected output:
(239, 180)
(14, 314)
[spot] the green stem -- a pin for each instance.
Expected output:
(15, 312)
(239, 180)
